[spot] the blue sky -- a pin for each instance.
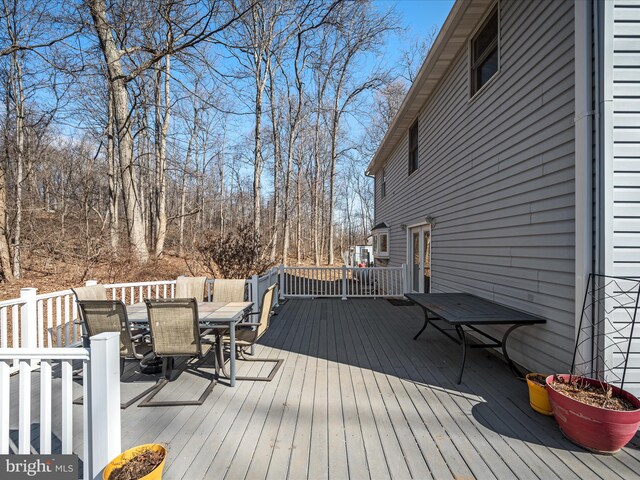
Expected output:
(417, 16)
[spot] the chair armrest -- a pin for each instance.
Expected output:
(212, 329)
(140, 335)
(249, 324)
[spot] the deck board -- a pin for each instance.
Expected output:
(355, 398)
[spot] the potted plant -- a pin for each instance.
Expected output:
(538, 396)
(593, 414)
(144, 462)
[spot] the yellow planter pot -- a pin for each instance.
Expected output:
(127, 455)
(538, 397)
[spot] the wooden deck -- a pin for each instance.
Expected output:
(358, 398)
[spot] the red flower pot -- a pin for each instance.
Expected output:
(597, 429)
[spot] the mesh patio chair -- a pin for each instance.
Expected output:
(111, 316)
(175, 332)
(93, 292)
(247, 335)
(228, 290)
(190, 287)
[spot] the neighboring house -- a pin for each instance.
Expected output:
(358, 254)
(512, 169)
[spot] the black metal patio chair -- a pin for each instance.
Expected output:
(175, 333)
(248, 334)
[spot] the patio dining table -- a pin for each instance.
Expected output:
(211, 314)
(464, 310)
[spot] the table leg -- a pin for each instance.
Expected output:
(426, 322)
(463, 342)
(512, 365)
(232, 355)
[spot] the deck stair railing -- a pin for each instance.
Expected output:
(100, 410)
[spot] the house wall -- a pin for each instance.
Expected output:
(620, 84)
(497, 173)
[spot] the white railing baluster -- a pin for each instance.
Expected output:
(24, 409)
(59, 321)
(45, 406)
(67, 407)
(67, 319)
(40, 305)
(15, 325)
(50, 322)
(5, 399)
(4, 341)
(74, 319)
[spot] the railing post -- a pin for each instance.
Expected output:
(102, 400)
(255, 294)
(29, 319)
(344, 282)
(90, 283)
(281, 282)
(405, 278)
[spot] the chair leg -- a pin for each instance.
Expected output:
(128, 403)
(167, 368)
(278, 363)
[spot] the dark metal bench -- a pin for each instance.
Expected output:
(465, 310)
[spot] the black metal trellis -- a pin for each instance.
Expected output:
(609, 307)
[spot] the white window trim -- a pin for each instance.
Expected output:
(377, 243)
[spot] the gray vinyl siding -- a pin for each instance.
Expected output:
(497, 173)
(621, 140)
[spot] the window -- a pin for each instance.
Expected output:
(383, 186)
(484, 53)
(380, 240)
(384, 249)
(413, 147)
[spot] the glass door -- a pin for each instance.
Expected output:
(420, 258)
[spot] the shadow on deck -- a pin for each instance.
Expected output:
(358, 398)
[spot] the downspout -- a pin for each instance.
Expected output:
(583, 161)
(598, 173)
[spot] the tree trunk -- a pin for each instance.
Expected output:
(161, 168)
(286, 221)
(277, 161)
(5, 257)
(315, 194)
(257, 167)
(332, 173)
(135, 225)
(299, 216)
(18, 95)
(114, 190)
(183, 189)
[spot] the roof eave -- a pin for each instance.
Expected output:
(462, 19)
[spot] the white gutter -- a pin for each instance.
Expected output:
(583, 159)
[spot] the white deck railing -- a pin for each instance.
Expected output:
(343, 282)
(101, 418)
(50, 320)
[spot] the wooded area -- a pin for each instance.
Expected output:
(149, 126)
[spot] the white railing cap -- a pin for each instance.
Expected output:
(66, 353)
